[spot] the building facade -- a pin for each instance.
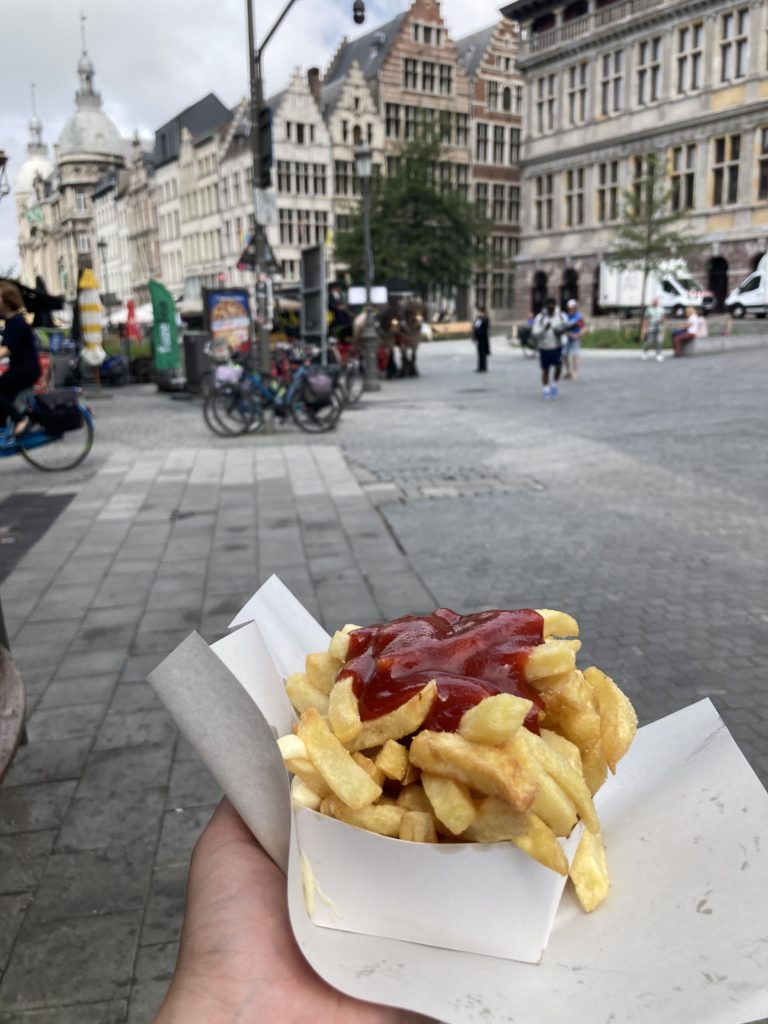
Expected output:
(609, 82)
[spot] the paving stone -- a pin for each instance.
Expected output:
(135, 728)
(95, 824)
(165, 906)
(154, 969)
(113, 1012)
(47, 760)
(91, 663)
(109, 772)
(81, 960)
(180, 831)
(88, 882)
(22, 860)
(191, 784)
(64, 723)
(12, 911)
(61, 693)
(135, 697)
(34, 807)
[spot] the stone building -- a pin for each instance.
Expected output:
(607, 82)
(88, 148)
(33, 212)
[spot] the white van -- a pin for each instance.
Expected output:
(751, 296)
(621, 290)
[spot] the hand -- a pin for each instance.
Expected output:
(238, 960)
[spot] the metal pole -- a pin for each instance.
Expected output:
(257, 101)
(370, 337)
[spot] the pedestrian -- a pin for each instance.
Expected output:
(481, 333)
(21, 351)
(695, 327)
(549, 327)
(652, 330)
(572, 349)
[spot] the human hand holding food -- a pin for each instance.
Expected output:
(238, 960)
(450, 728)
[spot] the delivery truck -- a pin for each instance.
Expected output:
(751, 296)
(621, 291)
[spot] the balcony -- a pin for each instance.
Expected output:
(587, 25)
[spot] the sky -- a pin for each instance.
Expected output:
(153, 58)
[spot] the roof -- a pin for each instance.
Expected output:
(370, 51)
(472, 48)
(522, 10)
(199, 119)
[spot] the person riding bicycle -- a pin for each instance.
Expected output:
(19, 347)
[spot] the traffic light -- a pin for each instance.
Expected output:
(264, 128)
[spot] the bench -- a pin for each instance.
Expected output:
(12, 705)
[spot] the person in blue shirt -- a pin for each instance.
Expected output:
(19, 348)
(572, 350)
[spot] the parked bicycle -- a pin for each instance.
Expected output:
(60, 435)
(239, 397)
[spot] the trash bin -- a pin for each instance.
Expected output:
(195, 360)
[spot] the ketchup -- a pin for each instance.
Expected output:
(469, 656)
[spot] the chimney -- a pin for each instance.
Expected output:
(313, 81)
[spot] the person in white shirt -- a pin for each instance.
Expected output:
(549, 329)
(695, 327)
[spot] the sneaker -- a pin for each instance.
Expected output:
(554, 391)
(644, 356)
(546, 393)
(659, 358)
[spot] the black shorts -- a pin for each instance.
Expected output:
(549, 357)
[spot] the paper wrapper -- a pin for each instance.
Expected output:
(682, 936)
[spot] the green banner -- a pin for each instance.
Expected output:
(165, 332)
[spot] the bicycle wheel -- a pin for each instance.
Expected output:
(315, 419)
(54, 453)
(229, 413)
(354, 381)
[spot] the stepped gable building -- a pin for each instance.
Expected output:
(606, 83)
(489, 57)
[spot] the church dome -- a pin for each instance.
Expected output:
(37, 162)
(89, 130)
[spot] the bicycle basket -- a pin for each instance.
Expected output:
(227, 374)
(317, 387)
(58, 411)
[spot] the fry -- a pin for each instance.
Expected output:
(618, 721)
(398, 723)
(413, 798)
(418, 827)
(549, 659)
(322, 669)
(392, 760)
(370, 767)
(303, 695)
(558, 623)
(347, 780)
(570, 781)
(488, 770)
(494, 719)
(340, 643)
(496, 821)
(589, 871)
(381, 818)
(343, 713)
(451, 802)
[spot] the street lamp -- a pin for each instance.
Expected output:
(364, 171)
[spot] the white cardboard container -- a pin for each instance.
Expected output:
(457, 932)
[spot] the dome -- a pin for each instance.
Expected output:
(89, 130)
(29, 170)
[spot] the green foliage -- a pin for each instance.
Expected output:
(651, 231)
(420, 230)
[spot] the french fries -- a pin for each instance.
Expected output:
(486, 776)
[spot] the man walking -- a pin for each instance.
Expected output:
(481, 333)
(652, 331)
(572, 349)
(548, 329)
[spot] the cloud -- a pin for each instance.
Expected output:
(153, 58)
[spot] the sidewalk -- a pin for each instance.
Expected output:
(100, 811)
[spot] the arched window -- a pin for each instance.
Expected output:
(506, 99)
(357, 136)
(569, 288)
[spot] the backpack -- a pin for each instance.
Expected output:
(58, 411)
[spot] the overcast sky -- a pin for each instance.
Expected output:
(153, 58)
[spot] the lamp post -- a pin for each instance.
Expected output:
(364, 171)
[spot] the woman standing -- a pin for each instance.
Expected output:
(19, 347)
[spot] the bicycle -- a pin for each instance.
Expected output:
(236, 406)
(60, 435)
(351, 372)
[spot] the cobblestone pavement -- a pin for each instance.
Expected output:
(636, 501)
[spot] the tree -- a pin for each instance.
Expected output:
(421, 229)
(653, 229)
